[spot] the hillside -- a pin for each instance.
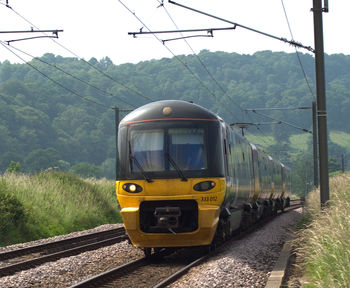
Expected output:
(53, 203)
(50, 117)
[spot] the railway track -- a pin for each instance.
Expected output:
(159, 271)
(294, 204)
(156, 271)
(29, 257)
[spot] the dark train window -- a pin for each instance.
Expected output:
(187, 148)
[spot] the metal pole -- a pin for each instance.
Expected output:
(321, 101)
(116, 110)
(342, 163)
(314, 134)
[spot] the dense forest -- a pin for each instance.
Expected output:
(57, 112)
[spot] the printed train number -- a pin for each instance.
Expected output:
(209, 198)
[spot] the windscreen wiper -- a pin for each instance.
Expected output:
(179, 171)
(133, 158)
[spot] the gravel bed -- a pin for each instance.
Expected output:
(71, 270)
(244, 263)
(60, 237)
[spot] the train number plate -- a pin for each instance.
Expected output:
(209, 198)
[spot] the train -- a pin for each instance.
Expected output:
(186, 178)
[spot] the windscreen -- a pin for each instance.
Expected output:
(147, 150)
(157, 150)
(187, 149)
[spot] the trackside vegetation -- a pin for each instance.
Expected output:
(53, 203)
(325, 243)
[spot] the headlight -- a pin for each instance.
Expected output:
(132, 188)
(204, 186)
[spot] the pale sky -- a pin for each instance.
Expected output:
(100, 28)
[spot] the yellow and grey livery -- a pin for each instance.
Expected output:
(185, 178)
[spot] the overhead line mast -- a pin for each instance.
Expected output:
(320, 84)
(321, 99)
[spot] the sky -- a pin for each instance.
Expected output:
(100, 28)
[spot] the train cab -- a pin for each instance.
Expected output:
(170, 182)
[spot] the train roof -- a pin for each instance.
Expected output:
(168, 110)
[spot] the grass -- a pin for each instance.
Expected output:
(341, 138)
(300, 141)
(53, 203)
(262, 140)
(325, 242)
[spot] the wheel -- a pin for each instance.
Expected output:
(147, 251)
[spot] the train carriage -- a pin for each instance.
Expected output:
(184, 177)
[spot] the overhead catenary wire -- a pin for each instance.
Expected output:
(181, 61)
(73, 76)
(174, 55)
(205, 67)
(54, 81)
(258, 128)
(291, 42)
(297, 53)
(80, 58)
(199, 58)
(284, 122)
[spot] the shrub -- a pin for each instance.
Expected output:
(13, 215)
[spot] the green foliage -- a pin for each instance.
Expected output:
(13, 215)
(323, 244)
(41, 159)
(86, 170)
(333, 165)
(302, 174)
(37, 115)
(15, 167)
(341, 138)
(300, 141)
(59, 203)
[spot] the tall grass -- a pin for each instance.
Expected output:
(325, 243)
(55, 203)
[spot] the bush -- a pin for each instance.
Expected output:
(13, 216)
(14, 167)
(86, 170)
(56, 203)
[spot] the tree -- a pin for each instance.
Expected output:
(14, 167)
(41, 159)
(333, 165)
(87, 170)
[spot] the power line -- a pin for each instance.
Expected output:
(200, 60)
(174, 55)
(182, 62)
(261, 132)
(80, 58)
(291, 42)
(54, 81)
(75, 77)
(279, 108)
(297, 53)
(284, 122)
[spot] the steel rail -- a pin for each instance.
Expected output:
(102, 278)
(172, 278)
(83, 247)
(45, 246)
(114, 274)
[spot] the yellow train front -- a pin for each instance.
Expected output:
(185, 178)
(170, 174)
